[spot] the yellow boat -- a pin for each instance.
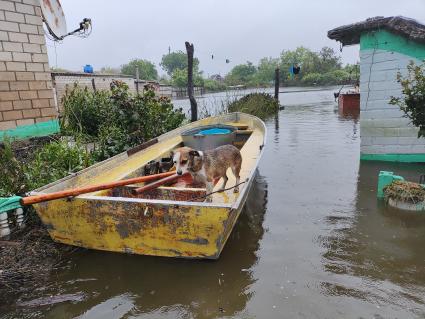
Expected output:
(171, 221)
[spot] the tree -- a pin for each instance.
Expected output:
(241, 74)
(266, 71)
(147, 70)
(412, 104)
(179, 78)
(307, 59)
(354, 72)
(329, 61)
(109, 70)
(177, 60)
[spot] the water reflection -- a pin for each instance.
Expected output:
(276, 128)
(118, 285)
(349, 114)
(378, 253)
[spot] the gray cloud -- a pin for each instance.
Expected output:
(239, 30)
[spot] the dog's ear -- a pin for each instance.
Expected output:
(194, 153)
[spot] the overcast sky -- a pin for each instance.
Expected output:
(238, 30)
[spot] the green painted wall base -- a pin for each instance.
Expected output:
(402, 158)
(386, 178)
(33, 130)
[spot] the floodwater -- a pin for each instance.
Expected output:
(312, 242)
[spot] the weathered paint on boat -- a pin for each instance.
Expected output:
(151, 226)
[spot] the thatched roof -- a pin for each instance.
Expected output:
(350, 34)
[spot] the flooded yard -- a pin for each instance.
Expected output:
(312, 241)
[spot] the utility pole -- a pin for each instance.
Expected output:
(169, 49)
(193, 105)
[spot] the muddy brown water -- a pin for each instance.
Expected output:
(312, 242)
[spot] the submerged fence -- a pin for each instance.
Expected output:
(92, 81)
(63, 81)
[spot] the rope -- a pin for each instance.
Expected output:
(219, 191)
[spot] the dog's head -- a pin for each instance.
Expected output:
(186, 159)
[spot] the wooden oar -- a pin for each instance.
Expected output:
(157, 183)
(7, 204)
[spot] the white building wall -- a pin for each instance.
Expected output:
(384, 130)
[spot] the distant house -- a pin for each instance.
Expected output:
(387, 45)
(217, 77)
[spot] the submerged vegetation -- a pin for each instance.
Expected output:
(26, 260)
(405, 191)
(259, 104)
(26, 263)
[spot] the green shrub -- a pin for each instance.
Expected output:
(335, 77)
(114, 121)
(83, 111)
(328, 78)
(117, 120)
(213, 85)
(313, 79)
(13, 180)
(51, 162)
(55, 161)
(412, 104)
(259, 104)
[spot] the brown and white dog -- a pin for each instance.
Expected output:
(207, 166)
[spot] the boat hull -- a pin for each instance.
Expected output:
(186, 229)
(138, 228)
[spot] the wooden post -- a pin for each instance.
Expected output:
(276, 84)
(137, 79)
(193, 104)
(93, 84)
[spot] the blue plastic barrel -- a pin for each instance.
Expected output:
(88, 68)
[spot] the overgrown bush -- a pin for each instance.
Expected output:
(336, 77)
(313, 79)
(83, 111)
(329, 78)
(412, 104)
(55, 161)
(13, 180)
(259, 104)
(117, 120)
(51, 162)
(214, 85)
(114, 121)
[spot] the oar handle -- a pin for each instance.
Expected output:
(89, 189)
